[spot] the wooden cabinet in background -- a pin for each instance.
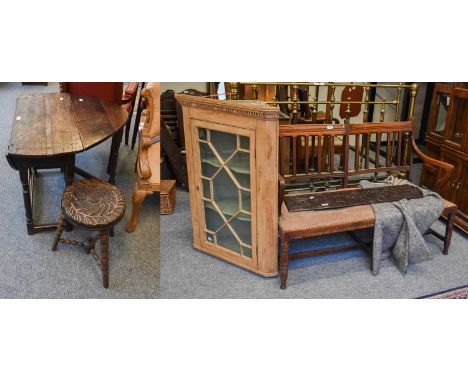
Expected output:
(232, 161)
(447, 139)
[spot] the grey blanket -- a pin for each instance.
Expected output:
(400, 226)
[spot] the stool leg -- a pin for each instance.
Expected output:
(448, 232)
(284, 258)
(104, 238)
(58, 233)
(111, 232)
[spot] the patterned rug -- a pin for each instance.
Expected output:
(455, 293)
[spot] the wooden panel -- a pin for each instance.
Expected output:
(91, 118)
(64, 135)
(345, 198)
(267, 195)
(462, 188)
(28, 131)
(60, 123)
(448, 190)
(462, 198)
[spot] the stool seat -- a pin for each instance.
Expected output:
(93, 204)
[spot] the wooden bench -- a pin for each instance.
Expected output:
(315, 163)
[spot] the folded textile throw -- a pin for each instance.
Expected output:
(400, 226)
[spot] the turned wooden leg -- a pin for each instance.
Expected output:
(58, 233)
(137, 200)
(284, 258)
(24, 177)
(114, 156)
(448, 232)
(104, 238)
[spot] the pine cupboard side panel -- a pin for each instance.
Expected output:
(267, 196)
(191, 141)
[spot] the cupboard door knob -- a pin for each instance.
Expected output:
(458, 185)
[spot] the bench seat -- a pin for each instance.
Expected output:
(295, 225)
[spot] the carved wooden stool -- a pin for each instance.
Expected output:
(168, 197)
(96, 206)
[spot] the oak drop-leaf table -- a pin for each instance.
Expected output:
(49, 129)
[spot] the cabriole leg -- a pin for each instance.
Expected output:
(137, 200)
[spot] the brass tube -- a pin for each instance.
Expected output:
(413, 94)
(234, 90)
(255, 91)
(397, 110)
(365, 117)
(382, 111)
(294, 101)
(332, 103)
(402, 86)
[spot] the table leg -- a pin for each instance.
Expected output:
(69, 170)
(114, 155)
(69, 174)
(24, 177)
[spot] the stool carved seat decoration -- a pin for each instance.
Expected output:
(95, 206)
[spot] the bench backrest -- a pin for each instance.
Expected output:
(339, 153)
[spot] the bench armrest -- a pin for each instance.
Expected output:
(427, 160)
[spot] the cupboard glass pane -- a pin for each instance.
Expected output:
(212, 218)
(228, 222)
(443, 103)
(224, 143)
(240, 167)
(209, 163)
(226, 239)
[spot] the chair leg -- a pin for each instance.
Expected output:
(137, 200)
(104, 260)
(58, 233)
(284, 258)
(448, 232)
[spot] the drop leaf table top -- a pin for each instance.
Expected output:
(50, 124)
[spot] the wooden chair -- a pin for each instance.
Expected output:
(109, 91)
(312, 175)
(148, 162)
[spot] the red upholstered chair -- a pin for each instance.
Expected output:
(109, 91)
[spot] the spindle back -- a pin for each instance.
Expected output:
(338, 155)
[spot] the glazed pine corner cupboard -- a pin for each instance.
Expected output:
(232, 162)
(447, 140)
